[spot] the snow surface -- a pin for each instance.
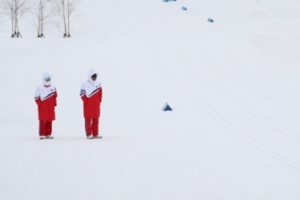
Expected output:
(233, 85)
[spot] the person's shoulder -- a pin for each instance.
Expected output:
(98, 84)
(84, 83)
(53, 87)
(39, 86)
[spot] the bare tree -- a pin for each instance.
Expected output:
(65, 8)
(43, 13)
(15, 9)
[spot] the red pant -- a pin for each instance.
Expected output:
(45, 128)
(91, 126)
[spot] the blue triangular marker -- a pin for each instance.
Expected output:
(210, 20)
(183, 8)
(167, 107)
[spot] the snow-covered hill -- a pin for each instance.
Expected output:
(233, 84)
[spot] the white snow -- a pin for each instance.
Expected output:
(233, 85)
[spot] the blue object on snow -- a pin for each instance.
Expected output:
(210, 20)
(183, 8)
(168, 0)
(167, 107)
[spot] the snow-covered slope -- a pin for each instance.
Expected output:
(233, 84)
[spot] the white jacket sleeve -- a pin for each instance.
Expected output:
(37, 93)
(82, 90)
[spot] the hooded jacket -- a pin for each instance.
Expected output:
(45, 98)
(91, 95)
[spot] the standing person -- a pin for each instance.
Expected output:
(91, 95)
(45, 98)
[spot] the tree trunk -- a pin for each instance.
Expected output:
(69, 19)
(39, 21)
(42, 19)
(12, 23)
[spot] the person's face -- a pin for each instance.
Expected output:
(94, 77)
(47, 79)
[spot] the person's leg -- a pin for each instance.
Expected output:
(42, 129)
(48, 125)
(88, 127)
(96, 129)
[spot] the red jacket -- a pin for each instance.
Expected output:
(91, 95)
(45, 98)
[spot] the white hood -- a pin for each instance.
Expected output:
(45, 76)
(91, 73)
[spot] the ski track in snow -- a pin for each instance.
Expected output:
(218, 117)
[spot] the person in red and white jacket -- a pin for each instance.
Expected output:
(45, 98)
(91, 95)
